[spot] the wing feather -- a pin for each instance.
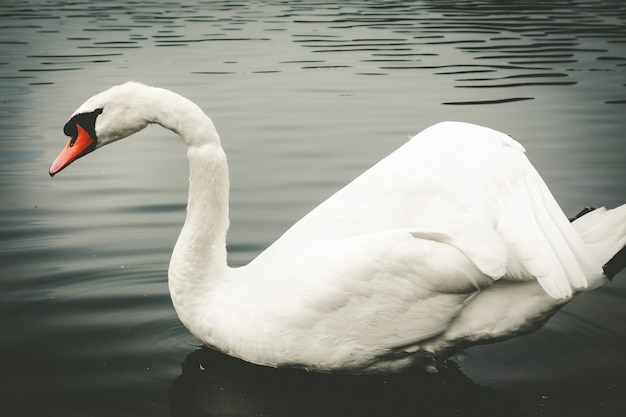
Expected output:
(468, 186)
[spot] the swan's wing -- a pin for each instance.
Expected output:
(475, 187)
(515, 229)
(540, 240)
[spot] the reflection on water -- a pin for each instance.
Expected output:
(306, 95)
(214, 385)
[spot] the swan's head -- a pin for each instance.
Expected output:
(106, 117)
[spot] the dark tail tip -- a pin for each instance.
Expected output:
(618, 262)
(615, 264)
(582, 213)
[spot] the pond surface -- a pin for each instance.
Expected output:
(306, 95)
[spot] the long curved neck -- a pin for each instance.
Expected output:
(199, 257)
(200, 253)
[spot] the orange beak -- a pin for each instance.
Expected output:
(76, 147)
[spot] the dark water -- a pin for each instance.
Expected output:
(306, 95)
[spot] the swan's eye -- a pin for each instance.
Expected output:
(86, 120)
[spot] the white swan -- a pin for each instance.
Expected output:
(450, 241)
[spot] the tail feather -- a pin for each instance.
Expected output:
(604, 233)
(615, 264)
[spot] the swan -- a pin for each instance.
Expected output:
(450, 241)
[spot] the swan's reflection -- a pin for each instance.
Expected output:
(212, 384)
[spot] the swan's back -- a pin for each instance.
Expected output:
(471, 187)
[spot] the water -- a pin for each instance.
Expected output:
(306, 95)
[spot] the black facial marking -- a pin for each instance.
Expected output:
(86, 120)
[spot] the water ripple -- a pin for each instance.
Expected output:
(425, 36)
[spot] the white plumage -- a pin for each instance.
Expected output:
(452, 240)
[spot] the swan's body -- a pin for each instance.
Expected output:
(450, 241)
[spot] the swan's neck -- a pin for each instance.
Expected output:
(199, 258)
